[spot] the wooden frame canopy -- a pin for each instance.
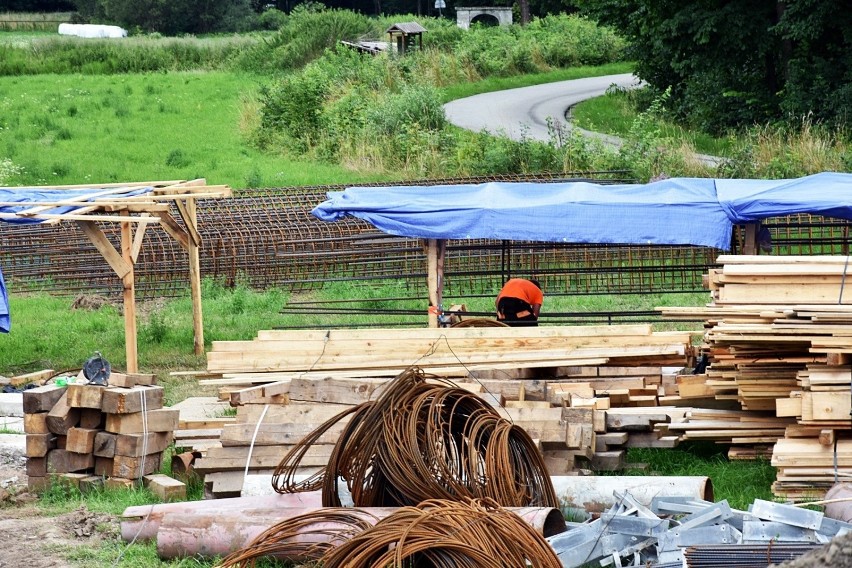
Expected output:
(123, 204)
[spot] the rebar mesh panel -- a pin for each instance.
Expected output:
(268, 238)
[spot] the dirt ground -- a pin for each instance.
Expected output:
(33, 541)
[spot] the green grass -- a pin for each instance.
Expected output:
(615, 112)
(64, 129)
(23, 38)
(740, 482)
(113, 551)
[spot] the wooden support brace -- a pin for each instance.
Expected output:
(121, 266)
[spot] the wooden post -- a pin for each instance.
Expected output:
(750, 240)
(435, 252)
(195, 280)
(129, 282)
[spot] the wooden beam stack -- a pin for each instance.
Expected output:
(113, 433)
(279, 355)
(779, 338)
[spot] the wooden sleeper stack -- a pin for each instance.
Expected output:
(91, 433)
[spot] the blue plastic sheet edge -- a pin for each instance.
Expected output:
(5, 320)
(677, 211)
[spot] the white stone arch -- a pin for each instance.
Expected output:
(464, 16)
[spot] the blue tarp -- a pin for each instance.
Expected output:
(27, 196)
(678, 211)
(5, 322)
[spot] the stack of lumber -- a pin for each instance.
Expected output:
(572, 437)
(813, 452)
(90, 433)
(277, 355)
(259, 439)
(806, 467)
(200, 422)
(732, 427)
(778, 336)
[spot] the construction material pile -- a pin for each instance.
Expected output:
(423, 440)
(675, 532)
(277, 355)
(779, 339)
(90, 434)
(557, 384)
(466, 533)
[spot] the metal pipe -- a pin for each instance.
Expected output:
(594, 493)
(840, 510)
(209, 534)
(142, 522)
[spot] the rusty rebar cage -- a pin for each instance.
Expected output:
(268, 238)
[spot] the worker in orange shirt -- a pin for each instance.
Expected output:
(519, 302)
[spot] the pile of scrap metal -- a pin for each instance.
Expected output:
(675, 532)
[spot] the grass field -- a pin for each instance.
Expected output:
(100, 129)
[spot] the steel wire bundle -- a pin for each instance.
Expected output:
(422, 440)
(446, 534)
(304, 538)
(437, 533)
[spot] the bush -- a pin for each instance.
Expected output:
(304, 37)
(272, 19)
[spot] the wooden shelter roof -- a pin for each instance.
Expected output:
(134, 206)
(406, 28)
(113, 202)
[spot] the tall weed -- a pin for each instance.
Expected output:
(779, 151)
(68, 55)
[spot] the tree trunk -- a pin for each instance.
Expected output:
(525, 11)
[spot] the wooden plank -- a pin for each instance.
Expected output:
(137, 445)
(262, 457)
(165, 487)
(452, 334)
(36, 423)
(831, 405)
(62, 417)
(127, 401)
(162, 420)
(38, 445)
(81, 440)
(91, 418)
(274, 433)
(104, 444)
(36, 377)
(63, 461)
(121, 267)
(85, 396)
(330, 389)
(41, 399)
(789, 406)
(133, 467)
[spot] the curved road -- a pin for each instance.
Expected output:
(523, 113)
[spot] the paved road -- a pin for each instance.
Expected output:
(523, 113)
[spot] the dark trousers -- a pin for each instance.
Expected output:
(515, 312)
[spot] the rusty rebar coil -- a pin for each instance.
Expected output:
(422, 440)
